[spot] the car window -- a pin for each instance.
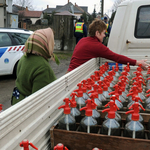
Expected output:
(5, 40)
(20, 38)
(142, 28)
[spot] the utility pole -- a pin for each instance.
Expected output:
(102, 8)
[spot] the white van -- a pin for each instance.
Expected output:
(11, 46)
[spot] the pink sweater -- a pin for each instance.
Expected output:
(90, 47)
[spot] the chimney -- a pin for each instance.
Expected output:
(47, 6)
(76, 4)
(26, 8)
(68, 1)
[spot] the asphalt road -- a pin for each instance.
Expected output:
(7, 83)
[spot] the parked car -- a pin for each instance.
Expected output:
(11, 46)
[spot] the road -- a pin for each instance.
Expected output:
(7, 83)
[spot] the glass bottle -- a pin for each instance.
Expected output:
(115, 98)
(101, 97)
(74, 111)
(110, 126)
(136, 106)
(80, 100)
(115, 107)
(88, 123)
(95, 113)
(135, 99)
(117, 71)
(134, 128)
(67, 121)
(96, 100)
(147, 101)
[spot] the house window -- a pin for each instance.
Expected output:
(20, 38)
(142, 27)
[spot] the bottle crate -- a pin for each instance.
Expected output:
(77, 140)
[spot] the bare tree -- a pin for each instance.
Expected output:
(24, 3)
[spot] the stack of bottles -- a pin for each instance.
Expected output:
(115, 90)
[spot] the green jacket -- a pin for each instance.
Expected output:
(33, 73)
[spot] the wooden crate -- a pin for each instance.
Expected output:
(75, 140)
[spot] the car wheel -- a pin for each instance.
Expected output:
(15, 70)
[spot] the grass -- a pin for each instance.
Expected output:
(63, 55)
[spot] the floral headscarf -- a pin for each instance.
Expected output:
(41, 42)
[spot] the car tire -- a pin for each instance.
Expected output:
(15, 70)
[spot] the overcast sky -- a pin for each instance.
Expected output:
(42, 4)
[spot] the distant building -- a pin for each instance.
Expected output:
(27, 15)
(7, 16)
(75, 9)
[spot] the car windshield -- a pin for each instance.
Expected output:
(20, 38)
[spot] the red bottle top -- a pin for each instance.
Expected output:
(117, 67)
(122, 85)
(73, 102)
(128, 67)
(106, 81)
(1, 107)
(114, 97)
(124, 77)
(97, 76)
(100, 90)
(79, 93)
(116, 87)
(90, 82)
(60, 146)
(133, 92)
(139, 68)
(137, 73)
(84, 86)
(66, 107)
(25, 144)
(147, 92)
(110, 77)
(115, 107)
(87, 108)
(125, 73)
(102, 69)
(96, 148)
(111, 111)
(135, 111)
(95, 90)
(105, 88)
(106, 66)
(113, 70)
(93, 96)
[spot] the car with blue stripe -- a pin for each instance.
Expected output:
(12, 43)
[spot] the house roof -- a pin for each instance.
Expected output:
(59, 8)
(31, 14)
(49, 10)
(16, 8)
(65, 13)
(67, 7)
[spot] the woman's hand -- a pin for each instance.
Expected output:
(143, 63)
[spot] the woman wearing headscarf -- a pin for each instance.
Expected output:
(33, 70)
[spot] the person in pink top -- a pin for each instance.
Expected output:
(92, 47)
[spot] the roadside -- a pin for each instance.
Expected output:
(7, 83)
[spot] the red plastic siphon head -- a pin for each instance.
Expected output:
(66, 107)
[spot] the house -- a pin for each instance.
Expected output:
(16, 8)
(26, 15)
(3, 16)
(7, 16)
(75, 9)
